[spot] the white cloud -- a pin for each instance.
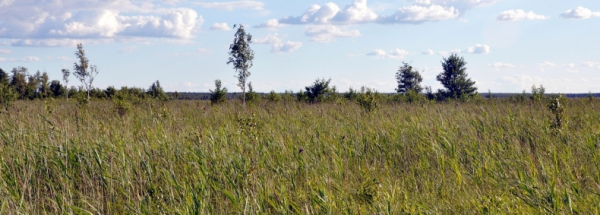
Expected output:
(5, 51)
(418, 14)
(25, 59)
(271, 24)
(462, 5)
(326, 33)
(591, 64)
(428, 52)
(499, 65)
(314, 14)
(278, 46)
(128, 49)
(516, 15)
(359, 12)
(286, 47)
(478, 49)
(63, 58)
(202, 50)
(94, 19)
(580, 13)
(233, 5)
(446, 53)
(220, 26)
(546, 64)
(269, 39)
(393, 54)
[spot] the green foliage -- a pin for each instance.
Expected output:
(317, 92)
(85, 76)
(157, 92)
(183, 157)
(557, 104)
(352, 94)
(19, 81)
(56, 89)
(7, 95)
(110, 91)
(368, 99)
(408, 79)
(121, 106)
(454, 79)
(4, 77)
(537, 93)
(273, 96)
(219, 95)
(241, 56)
(251, 96)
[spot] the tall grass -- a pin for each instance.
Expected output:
(189, 157)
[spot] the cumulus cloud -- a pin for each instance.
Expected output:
(428, 52)
(580, 13)
(393, 54)
(271, 24)
(418, 14)
(591, 64)
(220, 26)
(31, 20)
(462, 5)
(516, 15)
(233, 5)
(326, 33)
(478, 49)
(277, 44)
(286, 47)
(25, 59)
(358, 12)
(499, 65)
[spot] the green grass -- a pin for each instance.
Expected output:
(188, 157)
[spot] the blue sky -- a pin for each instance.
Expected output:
(509, 44)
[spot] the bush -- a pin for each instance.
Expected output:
(319, 91)
(7, 95)
(121, 106)
(251, 96)
(219, 95)
(368, 99)
(557, 106)
(273, 96)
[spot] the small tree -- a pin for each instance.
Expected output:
(66, 73)
(318, 91)
(218, 95)
(19, 81)
(56, 88)
(44, 86)
(537, 93)
(4, 79)
(241, 56)
(251, 95)
(273, 96)
(81, 70)
(454, 78)
(408, 79)
(157, 92)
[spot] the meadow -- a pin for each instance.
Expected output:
(494, 156)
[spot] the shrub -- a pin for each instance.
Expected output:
(7, 95)
(251, 96)
(537, 93)
(219, 95)
(319, 91)
(121, 106)
(368, 99)
(557, 106)
(273, 96)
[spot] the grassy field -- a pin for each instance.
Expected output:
(189, 157)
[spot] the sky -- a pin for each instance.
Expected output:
(509, 45)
